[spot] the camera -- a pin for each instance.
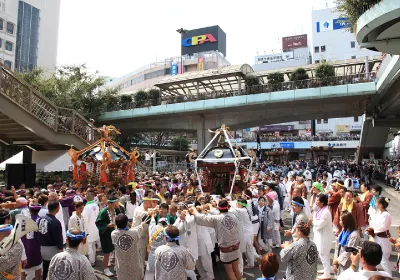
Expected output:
(353, 250)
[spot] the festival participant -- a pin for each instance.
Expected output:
(228, 239)
(10, 267)
(274, 205)
(322, 228)
(90, 212)
(32, 248)
(349, 205)
(379, 230)
(172, 260)
(373, 210)
(334, 200)
(129, 264)
(348, 237)
(266, 217)
(297, 193)
(301, 256)
(23, 209)
(298, 216)
(106, 224)
(70, 264)
(79, 221)
(50, 235)
(163, 189)
(316, 189)
(365, 199)
(53, 196)
(269, 266)
(253, 213)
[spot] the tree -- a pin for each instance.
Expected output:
(251, 82)
(73, 87)
(298, 76)
(140, 98)
(275, 81)
(154, 96)
(180, 143)
(325, 72)
(351, 10)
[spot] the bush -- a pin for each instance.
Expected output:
(180, 143)
(275, 81)
(299, 75)
(125, 99)
(325, 72)
(251, 81)
(154, 96)
(140, 98)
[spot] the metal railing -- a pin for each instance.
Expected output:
(58, 119)
(366, 5)
(265, 88)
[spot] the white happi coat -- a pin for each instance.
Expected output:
(70, 265)
(323, 231)
(138, 215)
(240, 222)
(81, 224)
(188, 235)
(90, 212)
(129, 263)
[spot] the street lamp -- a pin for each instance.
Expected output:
(182, 31)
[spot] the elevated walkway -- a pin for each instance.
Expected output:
(28, 118)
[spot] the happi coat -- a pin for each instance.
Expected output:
(323, 230)
(79, 223)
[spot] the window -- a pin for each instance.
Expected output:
(1, 24)
(353, 57)
(353, 44)
(322, 48)
(8, 64)
(325, 120)
(316, 49)
(318, 121)
(355, 119)
(10, 27)
(9, 46)
(317, 61)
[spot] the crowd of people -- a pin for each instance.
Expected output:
(273, 138)
(162, 226)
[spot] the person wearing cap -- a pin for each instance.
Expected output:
(106, 224)
(299, 216)
(10, 267)
(129, 264)
(316, 189)
(79, 221)
(32, 247)
(172, 260)
(70, 264)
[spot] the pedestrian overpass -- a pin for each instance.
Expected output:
(27, 118)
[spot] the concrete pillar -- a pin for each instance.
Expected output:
(240, 86)
(203, 138)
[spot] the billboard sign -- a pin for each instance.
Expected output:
(287, 145)
(174, 68)
(274, 57)
(200, 64)
(294, 42)
(332, 24)
(211, 38)
(274, 128)
(340, 128)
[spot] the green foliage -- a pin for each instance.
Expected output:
(180, 143)
(73, 87)
(125, 99)
(140, 98)
(154, 96)
(298, 76)
(251, 83)
(325, 72)
(352, 9)
(275, 80)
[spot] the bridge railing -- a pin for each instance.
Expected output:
(58, 119)
(366, 5)
(265, 88)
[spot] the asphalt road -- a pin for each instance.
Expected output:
(219, 272)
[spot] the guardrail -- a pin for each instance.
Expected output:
(58, 119)
(265, 88)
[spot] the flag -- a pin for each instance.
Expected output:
(259, 152)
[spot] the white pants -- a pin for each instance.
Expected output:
(326, 262)
(191, 274)
(386, 249)
(265, 246)
(149, 275)
(92, 252)
(205, 267)
(276, 237)
(250, 254)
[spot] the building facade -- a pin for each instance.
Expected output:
(29, 33)
(333, 38)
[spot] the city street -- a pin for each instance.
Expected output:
(254, 273)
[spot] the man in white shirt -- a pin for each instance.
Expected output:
(371, 255)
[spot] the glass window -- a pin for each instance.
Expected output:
(9, 46)
(1, 24)
(10, 27)
(322, 48)
(317, 61)
(318, 121)
(8, 63)
(325, 120)
(355, 119)
(353, 44)
(353, 57)
(316, 49)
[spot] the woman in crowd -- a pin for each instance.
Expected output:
(266, 218)
(269, 267)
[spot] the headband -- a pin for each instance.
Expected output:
(35, 207)
(242, 203)
(148, 198)
(223, 208)
(112, 200)
(298, 204)
(80, 236)
(246, 195)
(7, 228)
(170, 239)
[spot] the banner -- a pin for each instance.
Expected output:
(200, 64)
(342, 128)
(259, 152)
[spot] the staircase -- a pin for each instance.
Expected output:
(28, 118)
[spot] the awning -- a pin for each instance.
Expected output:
(51, 161)
(12, 160)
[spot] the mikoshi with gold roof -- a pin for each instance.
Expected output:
(222, 164)
(104, 161)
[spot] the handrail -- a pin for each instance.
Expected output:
(58, 119)
(367, 4)
(265, 88)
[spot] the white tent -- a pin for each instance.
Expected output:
(12, 160)
(51, 161)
